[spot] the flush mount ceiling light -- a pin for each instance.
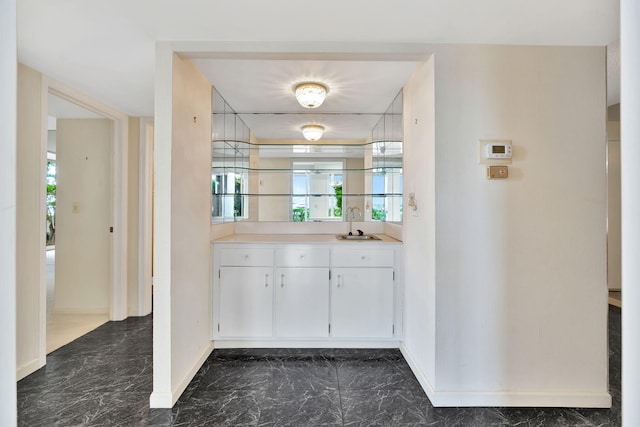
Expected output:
(310, 94)
(312, 132)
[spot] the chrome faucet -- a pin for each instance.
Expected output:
(351, 215)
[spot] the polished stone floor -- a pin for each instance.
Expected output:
(104, 379)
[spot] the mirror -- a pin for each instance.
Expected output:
(322, 181)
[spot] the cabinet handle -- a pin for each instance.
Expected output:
(339, 277)
(282, 280)
(266, 280)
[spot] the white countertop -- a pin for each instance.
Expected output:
(301, 238)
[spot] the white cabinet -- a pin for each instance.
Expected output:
(302, 292)
(245, 282)
(288, 293)
(362, 257)
(302, 302)
(246, 302)
(246, 257)
(362, 303)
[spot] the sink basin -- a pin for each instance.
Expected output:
(357, 237)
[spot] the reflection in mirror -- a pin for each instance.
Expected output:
(386, 167)
(229, 163)
(305, 182)
(317, 190)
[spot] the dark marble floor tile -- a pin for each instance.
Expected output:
(376, 375)
(371, 354)
(237, 375)
(194, 384)
(301, 409)
(81, 376)
(85, 409)
(272, 354)
(228, 408)
(546, 417)
(245, 354)
(293, 375)
(383, 408)
(105, 379)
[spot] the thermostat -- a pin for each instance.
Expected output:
(498, 150)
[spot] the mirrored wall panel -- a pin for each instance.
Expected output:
(321, 181)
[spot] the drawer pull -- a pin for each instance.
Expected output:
(246, 256)
(266, 280)
(282, 280)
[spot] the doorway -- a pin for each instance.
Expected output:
(78, 217)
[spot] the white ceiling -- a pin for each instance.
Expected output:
(63, 109)
(359, 92)
(106, 48)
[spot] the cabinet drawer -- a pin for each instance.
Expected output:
(343, 257)
(240, 257)
(302, 257)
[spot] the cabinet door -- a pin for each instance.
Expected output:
(246, 302)
(302, 302)
(362, 303)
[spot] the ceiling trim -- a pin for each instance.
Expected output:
(330, 51)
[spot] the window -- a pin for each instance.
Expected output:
(317, 191)
(229, 191)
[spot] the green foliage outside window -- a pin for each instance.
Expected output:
(378, 214)
(51, 203)
(337, 211)
(300, 214)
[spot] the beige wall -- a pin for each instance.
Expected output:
(274, 208)
(133, 219)
(83, 215)
(354, 184)
(30, 238)
(520, 273)
(31, 161)
(182, 300)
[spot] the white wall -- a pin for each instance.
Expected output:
(83, 215)
(630, 149)
(8, 82)
(182, 301)
(521, 294)
(30, 245)
(419, 231)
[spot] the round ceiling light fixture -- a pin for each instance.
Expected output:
(310, 94)
(312, 132)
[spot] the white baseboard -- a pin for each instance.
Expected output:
(505, 398)
(167, 400)
(522, 399)
(29, 368)
(160, 400)
(420, 376)
(298, 343)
